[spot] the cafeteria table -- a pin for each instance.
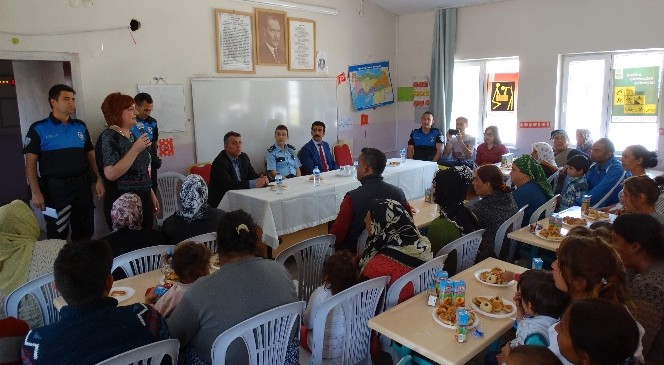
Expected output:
(411, 324)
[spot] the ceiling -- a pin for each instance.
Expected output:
(402, 7)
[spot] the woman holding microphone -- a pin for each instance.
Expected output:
(123, 159)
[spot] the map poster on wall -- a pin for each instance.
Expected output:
(302, 45)
(370, 85)
(635, 91)
(235, 41)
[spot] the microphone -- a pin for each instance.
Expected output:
(141, 127)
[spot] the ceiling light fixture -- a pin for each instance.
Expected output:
(293, 6)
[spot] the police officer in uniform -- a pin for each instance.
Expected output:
(149, 125)
(62, 147)
(426, 142)
(281, 157)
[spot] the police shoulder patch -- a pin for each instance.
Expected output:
(290, 146)
(271, 149)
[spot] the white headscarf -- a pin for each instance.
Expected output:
(545, 153)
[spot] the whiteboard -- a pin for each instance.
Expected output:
(254, 107)
(168, 107)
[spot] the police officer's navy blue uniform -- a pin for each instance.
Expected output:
(285, 161)
(65, 175)
(152, 130)
(425, 143)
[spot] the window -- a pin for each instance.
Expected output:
(614, 95)
(485, 92)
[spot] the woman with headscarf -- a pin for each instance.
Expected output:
(561, 148)
(196, 217)
(531, 185)
(543, 154)
(584, 141)
(450, 187)
(394, 246)
(128, 234)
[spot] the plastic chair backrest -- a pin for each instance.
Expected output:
(551, 179)
(362, 242)
(342, 155)
(43, 290)
(549, 207)
(512, 223)
(169, 191)
(153, 352)
(420, 276)
(140, 261)
(207, 239)
(309, 256)
(204, 169)
(466, 247)
(266, 335)
(359, 304)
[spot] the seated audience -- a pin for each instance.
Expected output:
(495, 207)
(635, 159)
(128, 234)
(598, 331)
(639, 240)
(450, 187)
(460, 148)
(189, 261)
(339, 274)
(492, 150)
(394, 246)
(531, 185)
(584, 141)
(426, 142)
(640, 195)
(281, 158)
(605, 174)
(243, 287)
(232, 170)
(577, 187)
(543, 154)
(317, 152)
(195, 217)
(12, 333)
(529, 355)
(562, 151)
(92, 327)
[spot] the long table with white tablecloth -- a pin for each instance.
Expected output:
(301, 205)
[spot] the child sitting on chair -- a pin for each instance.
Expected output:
(190, 261)
(573, 192)
(339, 274)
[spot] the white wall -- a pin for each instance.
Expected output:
(538, 31)
(176, 42)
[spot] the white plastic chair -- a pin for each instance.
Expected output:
(466, 247)
(549, 207)
(43, 290)
(207, 239)
(513, 223)
(169, 190)
(140, 261)
(153, 352)
(362, 242)
(359, 304)
(309, 257)
(266, 335)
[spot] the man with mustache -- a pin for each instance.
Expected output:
(317, 152)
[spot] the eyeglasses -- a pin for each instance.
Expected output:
(488, 134)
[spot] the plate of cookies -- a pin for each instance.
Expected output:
(492, 277)
(574, 221)
(551, 233)
(495, 307)
(121, 293)
(596, 215)
(445, 315)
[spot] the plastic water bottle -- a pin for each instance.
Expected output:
(316, 176)
(279, 182)
(402, 153)
(463, 319)
(355, 167)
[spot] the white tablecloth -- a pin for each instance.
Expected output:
(302, 205)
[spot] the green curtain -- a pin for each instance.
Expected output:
(442, 66)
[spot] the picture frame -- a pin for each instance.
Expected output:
(235, 41)
(302, 45)
(271, 37)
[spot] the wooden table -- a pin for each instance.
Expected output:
(426, 212)
(411, 324)
(524, 235)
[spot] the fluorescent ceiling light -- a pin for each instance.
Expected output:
(294, 6)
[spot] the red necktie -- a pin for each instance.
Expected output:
(322, 157)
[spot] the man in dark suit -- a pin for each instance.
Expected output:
(271, 49)
(232, 170)
(317, 152)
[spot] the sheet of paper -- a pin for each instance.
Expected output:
(50, 212)
(345, 123)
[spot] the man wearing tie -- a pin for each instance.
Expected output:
(317, 152)
(271, 51)
(232, 170)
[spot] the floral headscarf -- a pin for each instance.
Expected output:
(394, 234)
(545, 153)
(194, 196)
(450, 188)
(127, 212)
(586, 137)
(532, 168)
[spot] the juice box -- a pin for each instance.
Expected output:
(459, 293)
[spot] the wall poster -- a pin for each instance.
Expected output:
(235, 41)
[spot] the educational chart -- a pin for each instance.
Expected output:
(635, 91)
(370, 85)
